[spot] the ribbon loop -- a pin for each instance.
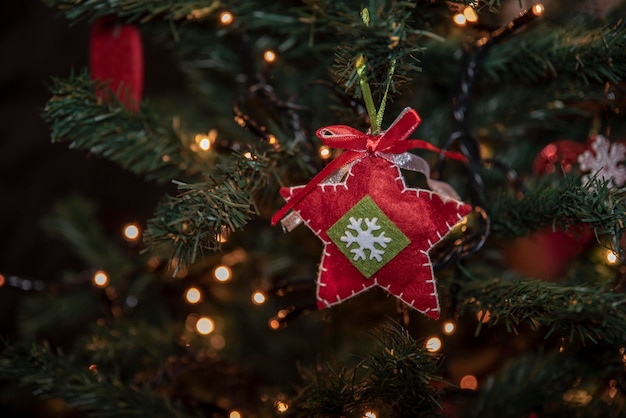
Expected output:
(359, 145)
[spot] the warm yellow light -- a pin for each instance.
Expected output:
(281, 406)
(538, 9)
(226, 18)
(258, 298)
(483, 316)
(204, 144)
(449, 327)
(468, 382)
(223, 236)
(234, 414)
(611, 257)
(193, 295)
(459, 19)
(274, 323)
(248, 155)
(205, 325)
(433, 344)
(369, 414)
(470, 14)
(222, 273)
(269, 56)
(131, 232)
(100, 278)
(324, 152)
(272, 140)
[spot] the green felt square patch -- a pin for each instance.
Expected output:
(367, 237)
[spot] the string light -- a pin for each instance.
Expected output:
(234, 414)
(100, 278)
(205, 325)
(226, 18)
(248, 155)
(324, 152)
(274, 323)
(131, 232)
(222, 273)
(369, 414)
(281, 406)
(459, 19)
(449, 327)
(433, 344)
(611, 257)
(193, 295)
(258, 298)
(538, 9)
(470, 15)
(483, 316)
(269, 56)
(223, 235)
(468, 382)
(217, 341)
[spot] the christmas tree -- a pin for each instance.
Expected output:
(457, 166)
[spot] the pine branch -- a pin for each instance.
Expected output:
(49, 374)
(563, 204)
(135, 11)
(577, 312)
(547, 51)
(393, 379)
(136, 141)
(224, 203)
(553, 384)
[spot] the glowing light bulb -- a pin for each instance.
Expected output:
(100, 278)
(369, 414)
(226, 17)
(468, 382)
(449, 328)
(258, 298)
(193, 295)
(234, 414)
(205, 325)
(269, 56)
(281, 406)
(272, 140)
(222, 273)
(324, 152)
(470, 14)
(538, 9)
(274, 324)
(248, 155)
(459, 19)
(204, 144)
(131, 232)
(483, 316)
(611, 257)
(433, 344)
(2, 280)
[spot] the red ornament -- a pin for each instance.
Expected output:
(116, 55)
(376, 231)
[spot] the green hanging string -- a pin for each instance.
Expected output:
(376, 117)
(367, 95)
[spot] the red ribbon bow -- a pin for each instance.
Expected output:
(359, 145)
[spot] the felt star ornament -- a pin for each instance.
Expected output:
(376, 231)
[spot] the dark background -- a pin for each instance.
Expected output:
(36, 44)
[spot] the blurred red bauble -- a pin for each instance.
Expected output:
(116, 56)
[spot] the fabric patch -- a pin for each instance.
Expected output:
(367, 237)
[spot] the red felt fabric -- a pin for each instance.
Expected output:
(116, 54)
(423, 216)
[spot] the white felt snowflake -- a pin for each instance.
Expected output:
(365, 239)
(604, 162)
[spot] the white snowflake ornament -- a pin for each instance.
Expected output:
(604, 161)
(365, 239)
